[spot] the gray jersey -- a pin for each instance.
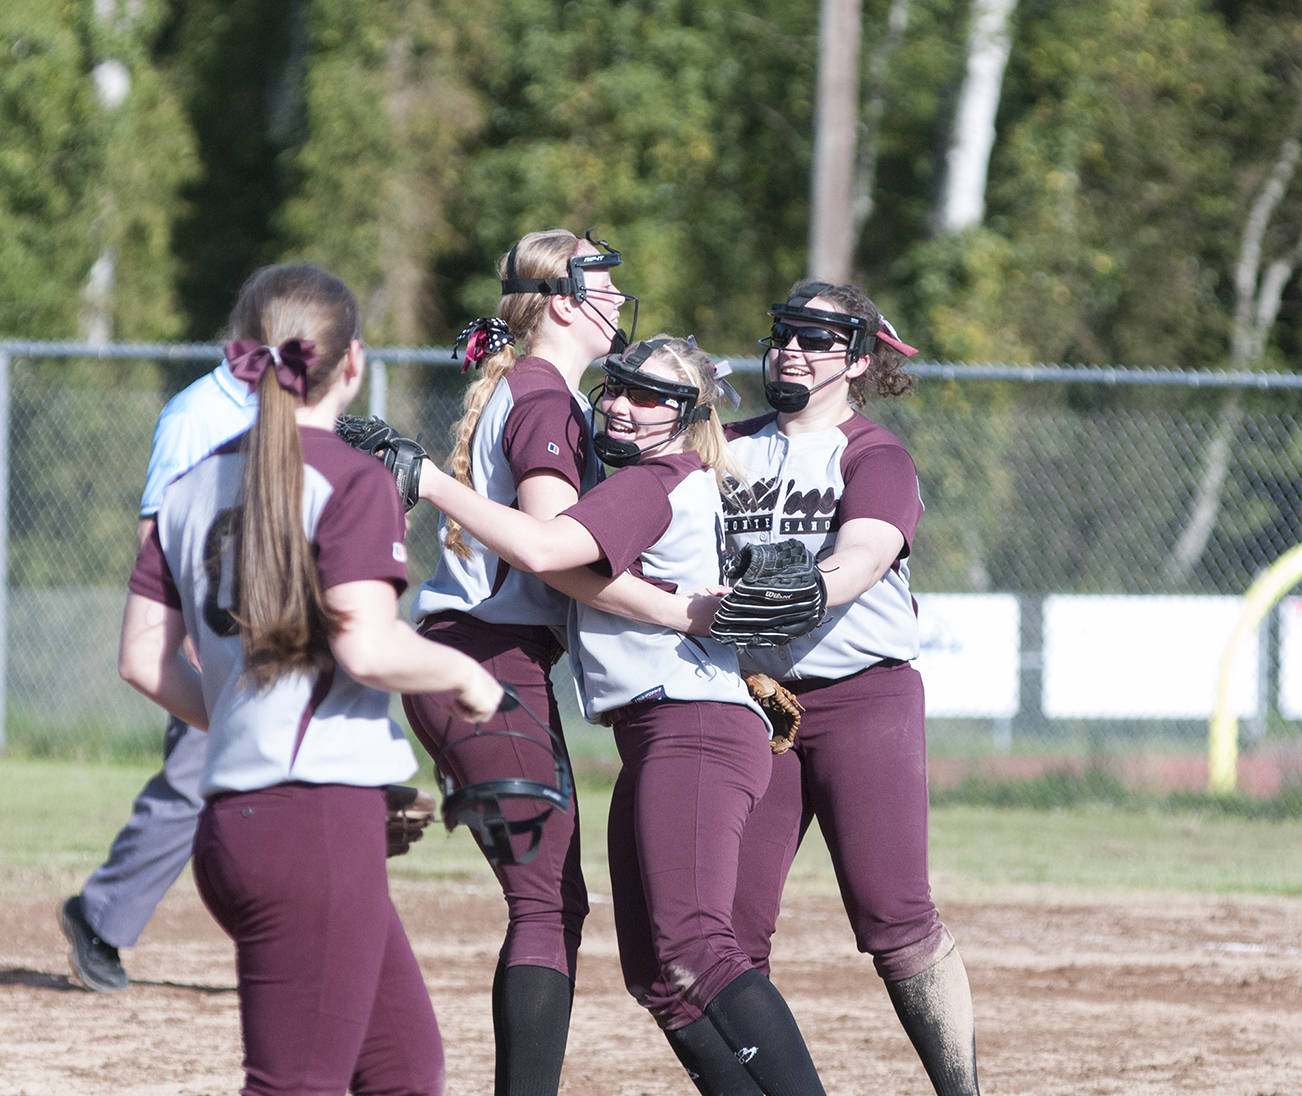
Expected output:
(805, 486)
(661, 520)
(318, 728)
(532, 422)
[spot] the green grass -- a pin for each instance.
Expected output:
(58, 817)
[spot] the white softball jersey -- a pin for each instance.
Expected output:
(533, 422)
(805, 486)
(660, 519)
(319, 729)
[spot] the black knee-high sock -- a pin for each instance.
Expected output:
(935, 1008)
(710, 1062)
(531, 1022)
(755, 1021)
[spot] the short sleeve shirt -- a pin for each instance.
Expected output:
(661, 520)
(532, 423)
(805, 486)
(324, 728)
(191, 425)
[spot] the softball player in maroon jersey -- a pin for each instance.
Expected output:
(845, 487)
(693, 744)
(525, 440)
(281, 555)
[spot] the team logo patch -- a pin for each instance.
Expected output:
(553, 448)
(658, 693)
(399, 551)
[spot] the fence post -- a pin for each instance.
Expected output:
(4, 542)
(378, 397)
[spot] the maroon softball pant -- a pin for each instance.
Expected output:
(546, 899)
(331, 996)
(859, 766)
(692, 772)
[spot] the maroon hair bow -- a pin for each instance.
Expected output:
(250, 359)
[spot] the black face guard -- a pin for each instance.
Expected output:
(479, 805)
(787, 397)
(573, 285)
(626, 369)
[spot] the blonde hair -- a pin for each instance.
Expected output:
(695, 367)
(543, 254)
(284, 623)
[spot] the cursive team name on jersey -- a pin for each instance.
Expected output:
(802, 511)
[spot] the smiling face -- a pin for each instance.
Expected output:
(812, 354)
(639, 415)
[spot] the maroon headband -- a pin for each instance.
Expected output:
(249, 360)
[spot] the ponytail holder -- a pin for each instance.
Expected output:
(483, 338)
(721, 370)
(888, 335)
(250, 359)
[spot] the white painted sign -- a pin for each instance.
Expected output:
(1142, 657)
(970, 660)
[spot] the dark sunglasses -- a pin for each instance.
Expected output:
(815, 339)
(637, 396)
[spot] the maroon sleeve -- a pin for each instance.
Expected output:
(361, 530)
(546, 432)
(626, 513)
(151, 577)
(881, 482)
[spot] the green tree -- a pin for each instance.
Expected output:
(50, 157)
(682, 132)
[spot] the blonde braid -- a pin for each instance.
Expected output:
(473, 403)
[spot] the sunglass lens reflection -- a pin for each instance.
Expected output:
(816, 339)
(639, 397)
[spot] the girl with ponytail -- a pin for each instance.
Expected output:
(281, 557)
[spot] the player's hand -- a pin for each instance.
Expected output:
(478, 697)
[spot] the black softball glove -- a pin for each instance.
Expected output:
(401, 456)
(777, 594)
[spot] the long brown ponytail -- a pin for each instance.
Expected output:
(284, 623)
(537, 255)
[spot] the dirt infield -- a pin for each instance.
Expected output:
(1074, 994)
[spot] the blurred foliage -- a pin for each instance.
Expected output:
(407, 143)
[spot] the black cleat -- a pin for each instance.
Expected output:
(95, 963)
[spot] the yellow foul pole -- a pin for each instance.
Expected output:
(1223, 732)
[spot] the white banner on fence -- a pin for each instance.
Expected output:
(970, 654)
(1142, 657)
(1290, 658)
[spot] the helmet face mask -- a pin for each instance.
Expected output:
(624, 372)
(788, 397)
(480, 806)
(573, 285)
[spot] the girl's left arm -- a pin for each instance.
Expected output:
(150, 661)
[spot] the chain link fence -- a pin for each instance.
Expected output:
(1089, 537)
